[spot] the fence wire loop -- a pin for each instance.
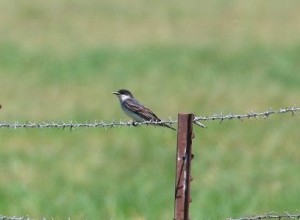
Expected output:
(101, 124)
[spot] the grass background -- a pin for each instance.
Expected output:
(60, 60)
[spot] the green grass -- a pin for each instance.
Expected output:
(62, 59)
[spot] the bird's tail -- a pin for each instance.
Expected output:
(167, 126)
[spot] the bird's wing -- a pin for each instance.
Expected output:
(141, 110)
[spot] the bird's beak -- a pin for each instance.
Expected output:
(116, 93)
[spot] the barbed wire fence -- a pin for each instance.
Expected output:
(195, 119)
(272, 215)
(114, 124)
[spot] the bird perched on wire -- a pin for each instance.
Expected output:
(136, 110)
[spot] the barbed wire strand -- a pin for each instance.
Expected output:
(252, 114)
(96, 124)
(272, 215)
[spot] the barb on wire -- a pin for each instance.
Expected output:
(72, 125)
(272, 215)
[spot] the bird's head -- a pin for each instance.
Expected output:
(123, 94)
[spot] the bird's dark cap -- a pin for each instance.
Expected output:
(123, 92)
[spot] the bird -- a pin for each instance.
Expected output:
(135, 110)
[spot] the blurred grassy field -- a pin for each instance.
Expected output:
(60, 61)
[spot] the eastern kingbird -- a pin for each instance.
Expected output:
(136, 110)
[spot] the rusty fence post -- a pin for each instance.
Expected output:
(183, 166)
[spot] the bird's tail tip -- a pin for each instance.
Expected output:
(168, 126)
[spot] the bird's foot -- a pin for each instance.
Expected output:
(133, 123)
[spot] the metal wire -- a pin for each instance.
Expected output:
(114, 124)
